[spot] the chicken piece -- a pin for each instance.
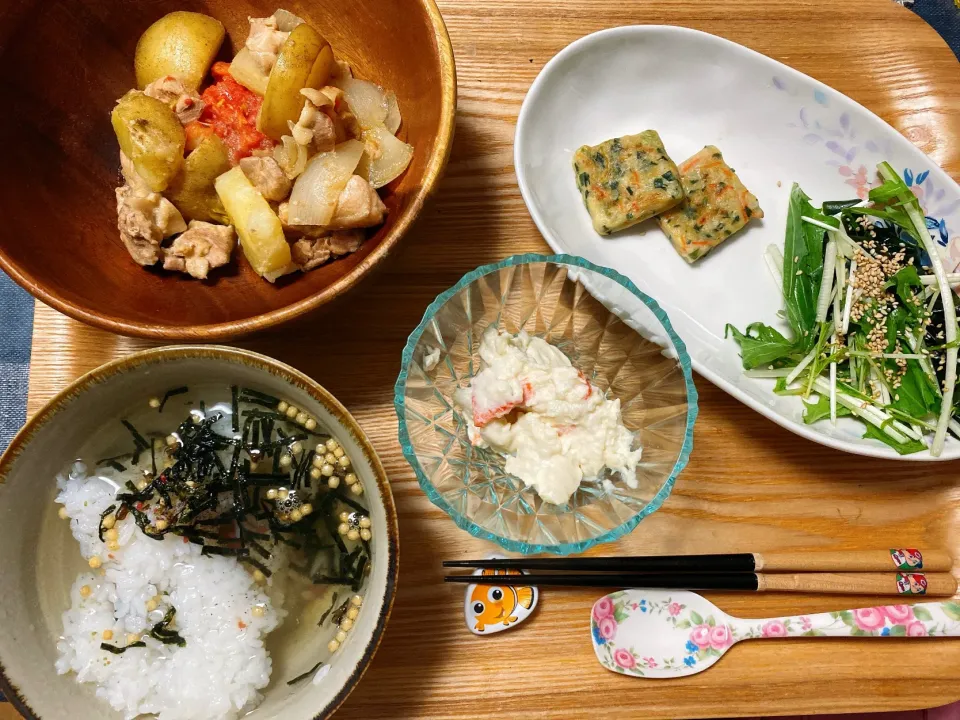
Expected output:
(321, 98)
(267, 177)
(202, 247)
(133, 179)
(264, 42)
(358, 206)
(311, 252)
(345, 242)
(144, 221)
(186, 104)
(315, 130)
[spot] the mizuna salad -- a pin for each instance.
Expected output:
(872, 320)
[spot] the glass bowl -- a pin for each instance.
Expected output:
(613, 332)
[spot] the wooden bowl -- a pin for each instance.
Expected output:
(64, 63)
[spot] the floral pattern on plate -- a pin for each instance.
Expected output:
(855, 156)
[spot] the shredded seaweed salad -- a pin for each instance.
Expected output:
(873, 328)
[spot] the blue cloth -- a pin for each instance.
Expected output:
(944, 17)
(16, 329)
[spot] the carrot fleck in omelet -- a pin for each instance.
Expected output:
(626, 180)
(716, 206)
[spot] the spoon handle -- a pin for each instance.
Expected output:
(935, 619)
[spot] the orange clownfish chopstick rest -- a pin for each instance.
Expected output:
(490, 608)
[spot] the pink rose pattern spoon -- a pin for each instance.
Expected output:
(664, 634)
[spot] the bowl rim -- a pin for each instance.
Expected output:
(154, 356)
(463, 522)
(232, 329)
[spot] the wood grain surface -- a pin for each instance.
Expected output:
(751, 485)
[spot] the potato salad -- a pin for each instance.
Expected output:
(555, 426)
(281, 149)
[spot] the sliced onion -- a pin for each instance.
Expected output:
(384, 158)
(342, 74)
(247, 71)
(286, 20)
(314, 197)
(291, 157)
(392, 122)
(366, 100)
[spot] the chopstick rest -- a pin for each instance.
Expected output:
(499, 605)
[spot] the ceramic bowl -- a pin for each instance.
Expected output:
(775, 126)
(617, 335)
(39, 558)
(60, 238)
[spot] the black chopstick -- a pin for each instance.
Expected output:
(855, 583)
(879, 560)
(731, 562)
(710, 581)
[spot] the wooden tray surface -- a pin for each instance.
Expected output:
(751, 485)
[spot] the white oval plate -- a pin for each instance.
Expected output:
(774, 125)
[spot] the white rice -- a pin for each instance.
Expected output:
(224, 664)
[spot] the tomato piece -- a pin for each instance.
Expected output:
(231, 112)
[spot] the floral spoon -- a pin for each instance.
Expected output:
(665, 634)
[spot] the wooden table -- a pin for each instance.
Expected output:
(750, 485)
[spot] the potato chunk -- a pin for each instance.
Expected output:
(182, 44)
(150, 135)
(259, 228)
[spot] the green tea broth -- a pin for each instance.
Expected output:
(241, 473)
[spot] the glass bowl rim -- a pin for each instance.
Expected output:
(465, 523)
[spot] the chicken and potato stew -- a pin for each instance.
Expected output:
(283, 150)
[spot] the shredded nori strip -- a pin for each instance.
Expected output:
(139, 443)
(340, 612)
(347, 500)
(113, 462)
(191, 533)
(172, 393)
(270, 404)
(235, 406)
(301, 471)
(102, 516)
(326, 614)
(162, 632)
(117, 650)
(255, 442)
(358, 576)
(228, 551)
(143, 522)
(258, 535)
(257, 564)
(328, 580)
(261, 395)
(305, 675)
(261, 550)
